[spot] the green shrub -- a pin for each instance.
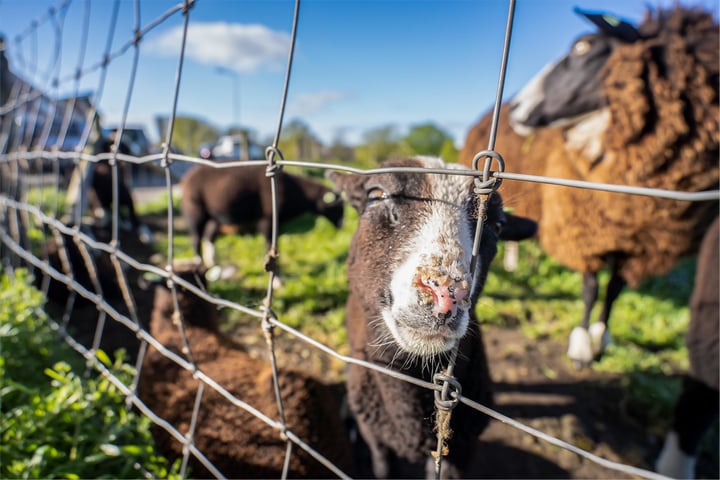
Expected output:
(55, 420)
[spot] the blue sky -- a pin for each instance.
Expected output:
(358, 65)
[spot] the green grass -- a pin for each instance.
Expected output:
(312, 264)
(49, 199)
(56, 419)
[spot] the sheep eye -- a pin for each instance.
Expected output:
(376, 193)
(581, 47)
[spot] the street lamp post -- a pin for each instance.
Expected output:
(236, 91)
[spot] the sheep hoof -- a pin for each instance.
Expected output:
(673, 462)
(213, 273)
(580, 347)
(600, 338)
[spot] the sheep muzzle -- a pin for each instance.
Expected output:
(442, 293)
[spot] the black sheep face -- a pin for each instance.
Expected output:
(409, 261)
(564, 92)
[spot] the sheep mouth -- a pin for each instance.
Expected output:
(425, 334)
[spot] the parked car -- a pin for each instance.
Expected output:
(232, 147)
(134, 137)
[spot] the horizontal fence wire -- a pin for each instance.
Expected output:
(16, 156)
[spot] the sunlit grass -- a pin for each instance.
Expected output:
(543, 299)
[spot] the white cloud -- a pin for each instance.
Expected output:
(241, 47)
(309, 103)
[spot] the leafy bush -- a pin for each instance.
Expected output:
(56, 421)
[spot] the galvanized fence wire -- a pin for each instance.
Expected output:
(16, 209)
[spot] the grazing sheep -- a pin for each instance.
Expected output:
(411, 300)
(635, 106)
(215, 198)
(100, 191)
(697, 406)
(235, 441)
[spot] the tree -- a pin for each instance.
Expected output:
(448, 152)
(426, 139)
(339, 151)
(379, 144)
(189, 133)
(298, 142)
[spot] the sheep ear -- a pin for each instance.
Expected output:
(517, 228)
(611, 25)
(352, 187)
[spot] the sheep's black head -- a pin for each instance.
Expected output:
(105, 145)
(565, 91)
(410, 259)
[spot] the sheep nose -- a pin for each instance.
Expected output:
(443, 293)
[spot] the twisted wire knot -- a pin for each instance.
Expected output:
(444, 398)
(270, 152)
(489, 183)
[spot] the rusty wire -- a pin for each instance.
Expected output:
(448, 392)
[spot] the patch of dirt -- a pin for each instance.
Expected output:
(537, 386)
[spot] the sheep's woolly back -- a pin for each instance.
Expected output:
(662, 94)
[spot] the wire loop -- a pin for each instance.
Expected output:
(446, 399)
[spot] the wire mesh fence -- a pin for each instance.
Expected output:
(33, 144)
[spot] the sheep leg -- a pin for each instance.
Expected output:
(695, 411)
(580, 349)
(209, 234)
(142, 230)
(600, 331)
(589, 295)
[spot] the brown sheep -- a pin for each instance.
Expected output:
(649, 118)
(99, 191)
(236, 442)
(215, 198)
